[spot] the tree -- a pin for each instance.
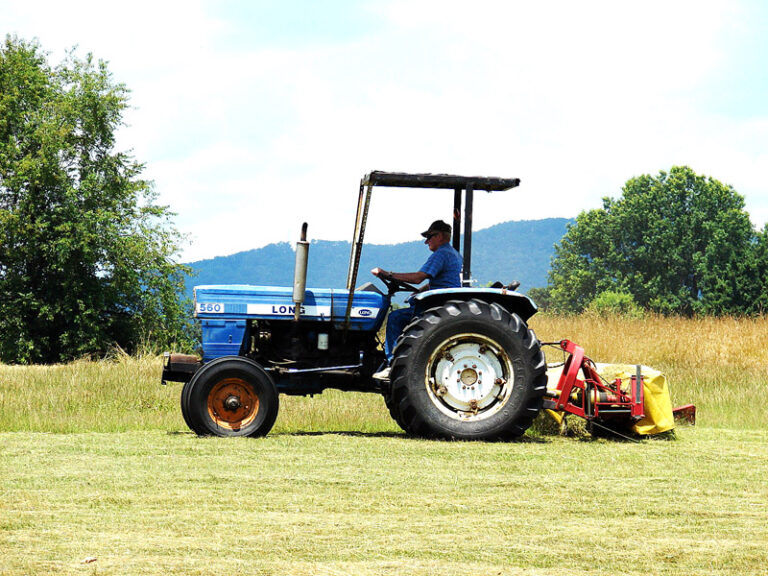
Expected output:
(754, 281)
(541, 297)
(677, 243)
(86, 256)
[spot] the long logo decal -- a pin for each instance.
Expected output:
(314, 311)
(287, 310)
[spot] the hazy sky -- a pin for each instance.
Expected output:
(254, 116)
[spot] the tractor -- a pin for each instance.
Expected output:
(466, 367)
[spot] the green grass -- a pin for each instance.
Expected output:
(95, 461)
(159, 503)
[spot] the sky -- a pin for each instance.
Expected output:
(255, 116)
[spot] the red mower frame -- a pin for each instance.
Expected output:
(593, 398)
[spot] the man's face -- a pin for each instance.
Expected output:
(434, 241)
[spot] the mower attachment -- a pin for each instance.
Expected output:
(592, 398)
(617, 398)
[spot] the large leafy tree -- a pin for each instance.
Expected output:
(678, 243)
(86, 255)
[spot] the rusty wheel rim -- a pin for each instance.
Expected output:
(233, 403)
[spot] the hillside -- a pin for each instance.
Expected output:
(519, 250)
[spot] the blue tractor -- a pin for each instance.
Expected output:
(467, 366)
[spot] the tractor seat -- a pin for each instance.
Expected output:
(514, 285)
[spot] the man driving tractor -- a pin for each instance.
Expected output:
(442, 268)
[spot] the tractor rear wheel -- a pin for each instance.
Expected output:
(230, 396)
(467, 370)
(394, 409)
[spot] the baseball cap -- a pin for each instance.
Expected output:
(436, 226)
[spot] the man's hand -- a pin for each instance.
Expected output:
(380, 273)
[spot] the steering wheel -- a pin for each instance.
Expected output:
(397, 285)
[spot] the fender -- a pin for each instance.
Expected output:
(513, 302)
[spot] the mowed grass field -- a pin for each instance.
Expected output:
(96, 464)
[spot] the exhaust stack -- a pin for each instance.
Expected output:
(300, 272)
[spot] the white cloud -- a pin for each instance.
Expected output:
(246, 140)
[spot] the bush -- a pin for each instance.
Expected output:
(612, 303)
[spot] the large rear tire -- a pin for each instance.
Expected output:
(467, 370)
(230, 396)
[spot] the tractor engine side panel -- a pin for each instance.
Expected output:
(222, 338)
(228, 312)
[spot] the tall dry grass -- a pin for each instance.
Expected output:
(721, 365)
(124, 393)
(114, 395)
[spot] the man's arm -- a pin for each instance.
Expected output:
(410, 277)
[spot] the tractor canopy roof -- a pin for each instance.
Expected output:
(461, 186)
(441, 181)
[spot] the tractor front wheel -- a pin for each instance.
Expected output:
(467, 370)
(230, 396)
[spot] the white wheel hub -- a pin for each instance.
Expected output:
(469, 377)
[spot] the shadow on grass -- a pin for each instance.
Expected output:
(356, 433)
(403, 436)
(526, 439)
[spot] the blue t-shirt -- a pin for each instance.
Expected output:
(443, 268)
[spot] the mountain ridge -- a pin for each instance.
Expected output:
(514, 250)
